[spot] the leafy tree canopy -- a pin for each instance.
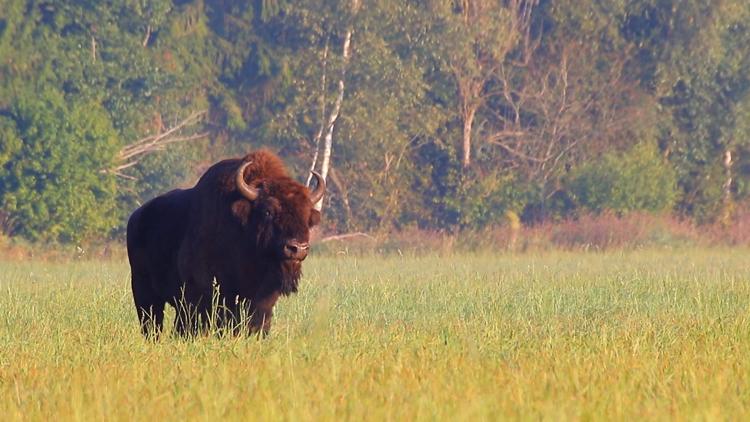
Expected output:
(452, 113)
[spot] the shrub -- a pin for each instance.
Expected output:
(53, 184)
(639, 180)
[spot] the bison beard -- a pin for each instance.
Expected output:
(244, 226)
(287, 274)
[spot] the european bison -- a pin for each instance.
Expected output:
(239, 235)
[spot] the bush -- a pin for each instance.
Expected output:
(53, 184)
(459, 198)
(639, 180)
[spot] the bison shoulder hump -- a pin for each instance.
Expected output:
(265, 164)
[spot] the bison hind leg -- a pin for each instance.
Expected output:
(148, 306)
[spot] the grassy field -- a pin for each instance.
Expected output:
(645, 334)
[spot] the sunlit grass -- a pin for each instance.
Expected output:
(654, 334)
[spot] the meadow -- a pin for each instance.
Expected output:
(657, 334)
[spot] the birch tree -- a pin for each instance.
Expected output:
(330, 120)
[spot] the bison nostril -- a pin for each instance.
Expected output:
(296, 250)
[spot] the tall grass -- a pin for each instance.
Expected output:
(561, 335)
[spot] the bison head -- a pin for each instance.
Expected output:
(277, 214)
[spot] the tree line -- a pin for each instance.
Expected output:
(437, 114)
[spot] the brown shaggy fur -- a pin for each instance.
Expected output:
(180, 242)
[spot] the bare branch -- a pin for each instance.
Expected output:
(124, 166)
(156, 142)
(549, 115)
(131, 154)
(515, 152)
(345, 237)
(159, 145)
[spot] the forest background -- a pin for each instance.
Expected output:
(429, 115)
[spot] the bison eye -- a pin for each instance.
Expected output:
(267, 213)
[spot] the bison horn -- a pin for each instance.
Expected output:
(246, 190)
(317, 194)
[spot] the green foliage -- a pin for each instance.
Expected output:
(699, 53)
(10, 142)
(638, 180)
(457, 198)
(588, 78)
(53, 185)
(492, 198)
(79, 80)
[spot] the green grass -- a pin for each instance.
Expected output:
(645, 334)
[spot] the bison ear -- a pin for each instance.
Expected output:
(241, 209)
(314, 218)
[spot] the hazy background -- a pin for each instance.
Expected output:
(440, 115)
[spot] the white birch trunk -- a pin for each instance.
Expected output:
(727, 187)
(728, 176)
(147, 37)
(319, 135)
(328, 142)
(93, 49)
(469, 113)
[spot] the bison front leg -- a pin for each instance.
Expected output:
(187, 318)
(262, 313)
(193, 311)
(196, 301)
